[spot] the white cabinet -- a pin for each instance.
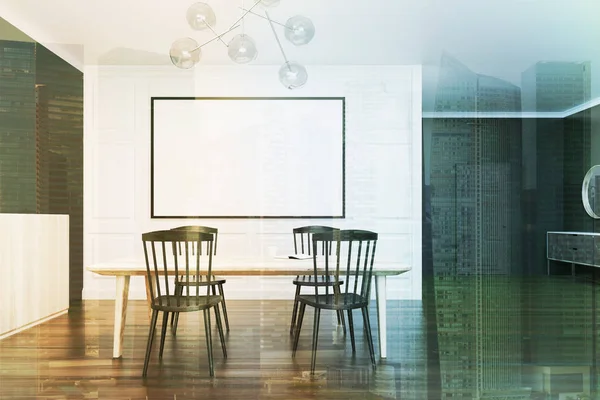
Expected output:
(34, 269)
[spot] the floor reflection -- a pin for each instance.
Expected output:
(471, 337)
(501, 337)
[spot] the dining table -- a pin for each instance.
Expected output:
(124, 269)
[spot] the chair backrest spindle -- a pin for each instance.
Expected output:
(353, 261)
(171, 253)
(203, 229)
(305, 233)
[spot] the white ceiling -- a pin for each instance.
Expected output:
(501, 38)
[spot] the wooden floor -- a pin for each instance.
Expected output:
(70, 357)
(484, 338)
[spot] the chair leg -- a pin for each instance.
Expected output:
(220, 329)
(174, 322)
(367, 324)
(163, 334)
(340, 319)
(298, 327)
(208, 334)
(295, 310)
(213, 289)
(175, 315)
(343, 320)
(224, 306)
(340, 313)
(351, 328)
(315, 340)
(150, 340)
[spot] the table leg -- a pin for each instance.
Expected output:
(380, 293)
(122, 295)
(150, 283)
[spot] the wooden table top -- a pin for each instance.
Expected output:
(239, 267)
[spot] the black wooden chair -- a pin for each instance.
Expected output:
(163, 259)
(212, 281)
(352, 261)
(302, 245)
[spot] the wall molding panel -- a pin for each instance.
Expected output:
(383, 128)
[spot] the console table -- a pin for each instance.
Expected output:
(573, 247)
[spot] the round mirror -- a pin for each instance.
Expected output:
(590, 185)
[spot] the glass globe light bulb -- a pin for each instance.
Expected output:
(185, 53)
(242, 49)
(299, 30)
(200, 16)
(292, 75)
(269, 3)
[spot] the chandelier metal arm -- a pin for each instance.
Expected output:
(246, 13)
(216, 37)
(258, 15)
(278, 41)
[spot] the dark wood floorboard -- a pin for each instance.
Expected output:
(70, 357)
(483, 338)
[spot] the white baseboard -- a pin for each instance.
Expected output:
(32, 324)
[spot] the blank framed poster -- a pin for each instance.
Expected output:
(247, 157)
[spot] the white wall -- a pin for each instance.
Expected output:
(383, 166)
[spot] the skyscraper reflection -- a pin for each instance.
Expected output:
(475, 208)
(493, 187)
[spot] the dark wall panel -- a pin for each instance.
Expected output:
(41, 141)
(59, 132)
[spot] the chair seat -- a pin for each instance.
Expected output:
(322, 280)
(342, 301)
(184, 303)
(204, 281)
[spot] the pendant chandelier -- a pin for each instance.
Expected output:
(185, 53)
